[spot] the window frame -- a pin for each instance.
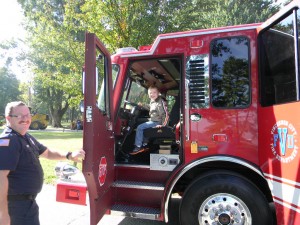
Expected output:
(294, 12)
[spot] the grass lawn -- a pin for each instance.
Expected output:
(61, 141)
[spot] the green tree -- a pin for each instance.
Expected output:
(233, 12)
(120, 23)
(24, 88)
(9, 88)
(56, 51)
(56, 34)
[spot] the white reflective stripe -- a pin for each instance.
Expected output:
(287, 205)
(286, 192)
(273, 177)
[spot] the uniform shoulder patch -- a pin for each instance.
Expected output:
(4, 142)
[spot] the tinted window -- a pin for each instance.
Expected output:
(277, 63)
(230, 72)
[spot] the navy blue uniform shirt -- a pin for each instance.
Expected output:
(20, 155)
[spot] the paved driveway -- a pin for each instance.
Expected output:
(52, 212)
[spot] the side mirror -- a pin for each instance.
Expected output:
(64, 170)
(81, 106)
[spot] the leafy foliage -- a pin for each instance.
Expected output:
(235, 12)
(135, 22)
(57, 53)
(9, 88)
(56, 34)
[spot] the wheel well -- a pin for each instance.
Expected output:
(243, 171)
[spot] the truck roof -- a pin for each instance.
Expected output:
(149, 49)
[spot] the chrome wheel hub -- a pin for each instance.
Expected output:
(224, 209)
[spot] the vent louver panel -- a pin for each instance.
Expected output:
(197, 76)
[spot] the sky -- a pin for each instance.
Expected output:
(11, 18)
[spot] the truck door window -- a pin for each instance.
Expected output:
(115, 73)
(230, 70)
(101, 73)
(277, 63)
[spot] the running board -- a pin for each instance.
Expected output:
(135, 212)
(138, 185)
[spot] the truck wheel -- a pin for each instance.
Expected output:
(224, 199)
(35, 125)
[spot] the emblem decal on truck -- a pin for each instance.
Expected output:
(284, 141)
(102, 170)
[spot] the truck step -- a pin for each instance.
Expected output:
(140, 173)
(138, 193)
(135, 211)
(138, 185)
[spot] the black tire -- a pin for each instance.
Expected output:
(224, 197)
(35, 125)
(43, 127)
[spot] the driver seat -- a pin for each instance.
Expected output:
(166, 132)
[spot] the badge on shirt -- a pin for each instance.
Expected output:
(32, 141)
(4, 142)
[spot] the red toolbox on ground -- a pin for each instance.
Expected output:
(74, 193)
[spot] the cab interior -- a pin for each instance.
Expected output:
(165, 74)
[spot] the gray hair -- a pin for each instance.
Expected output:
(11, 105)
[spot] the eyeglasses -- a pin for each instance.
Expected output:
(21, 116)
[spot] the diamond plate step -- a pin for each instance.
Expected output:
(135, 211)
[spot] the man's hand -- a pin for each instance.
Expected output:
(77, 156)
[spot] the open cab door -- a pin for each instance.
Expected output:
(98, 141)
(279, 110)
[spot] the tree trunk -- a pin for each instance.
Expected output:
(72, 114)
(56, 118)
(57, 114)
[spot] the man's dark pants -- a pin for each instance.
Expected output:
(25, 212)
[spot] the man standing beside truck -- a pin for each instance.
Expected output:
(21, 174)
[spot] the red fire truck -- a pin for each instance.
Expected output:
(230, 150)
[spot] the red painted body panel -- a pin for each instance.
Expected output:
(281, 170)
(247, 134)
(97, 141)
(71, 193)
(240, 126)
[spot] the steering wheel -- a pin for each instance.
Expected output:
(130, 103)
